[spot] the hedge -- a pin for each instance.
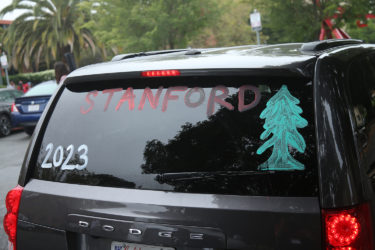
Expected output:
(35, 78)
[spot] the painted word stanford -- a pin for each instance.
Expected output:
(217, 95)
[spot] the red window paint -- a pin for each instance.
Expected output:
(168, 96)
(129, 97)
(154, 100)
(89, 101)
(241, 97)
(188, 95)
(110, 92)
(220, 99)
(193, 98)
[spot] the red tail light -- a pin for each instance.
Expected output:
(12, 203)
(158, 73)
(348, 229)
(14, 108)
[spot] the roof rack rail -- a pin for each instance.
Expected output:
(327, 44)
(149, 53)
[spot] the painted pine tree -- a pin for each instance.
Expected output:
(282, 116)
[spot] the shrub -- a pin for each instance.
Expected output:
(35, 78)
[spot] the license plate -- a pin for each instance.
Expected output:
(32, 108)
(130, 246)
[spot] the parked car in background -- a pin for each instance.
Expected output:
(248, 147)
(7, 97)
(27, 109)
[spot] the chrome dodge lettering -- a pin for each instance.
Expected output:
(165, 234)
(108, 228)
(135, 231)
(83, 223)
(196, 236)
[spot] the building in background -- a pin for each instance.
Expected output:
(5, 23)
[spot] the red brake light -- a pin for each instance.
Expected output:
(348, 229)
(161, 73)
(342, 229)
(12, 203)
(14, 108)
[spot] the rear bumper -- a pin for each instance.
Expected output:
(33, 237)
(24, 120)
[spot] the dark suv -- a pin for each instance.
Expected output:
(247, 147)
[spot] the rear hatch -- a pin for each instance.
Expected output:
(176, 163)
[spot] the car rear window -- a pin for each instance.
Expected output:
(45, 88)
(241, 137)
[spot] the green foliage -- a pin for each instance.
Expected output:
(231, 28)
(300, 20)
(45, 32)
(1, 35)
(35, 78)
(137, 25)
(366, 34)
(96, 29)
(289, 20)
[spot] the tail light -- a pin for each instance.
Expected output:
(161, 73)
(348, 229)
(13, 108)
(12, 203)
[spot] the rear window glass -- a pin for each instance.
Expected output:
(243, 138)
(45, 88)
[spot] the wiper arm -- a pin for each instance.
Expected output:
(149, 53)
(183, 176)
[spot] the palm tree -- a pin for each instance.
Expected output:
(46, 31)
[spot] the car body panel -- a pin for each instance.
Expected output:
(245, 222)
(29, 118)
(285, 57)
(341, 185)
(5, 108)
(34, 237)
(6, 101)
(24, 117)
(7, 97)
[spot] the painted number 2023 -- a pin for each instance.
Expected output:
(58, 157)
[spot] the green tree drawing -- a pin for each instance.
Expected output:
(282, 116)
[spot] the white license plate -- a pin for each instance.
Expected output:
(130, 246)
(32, 108)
